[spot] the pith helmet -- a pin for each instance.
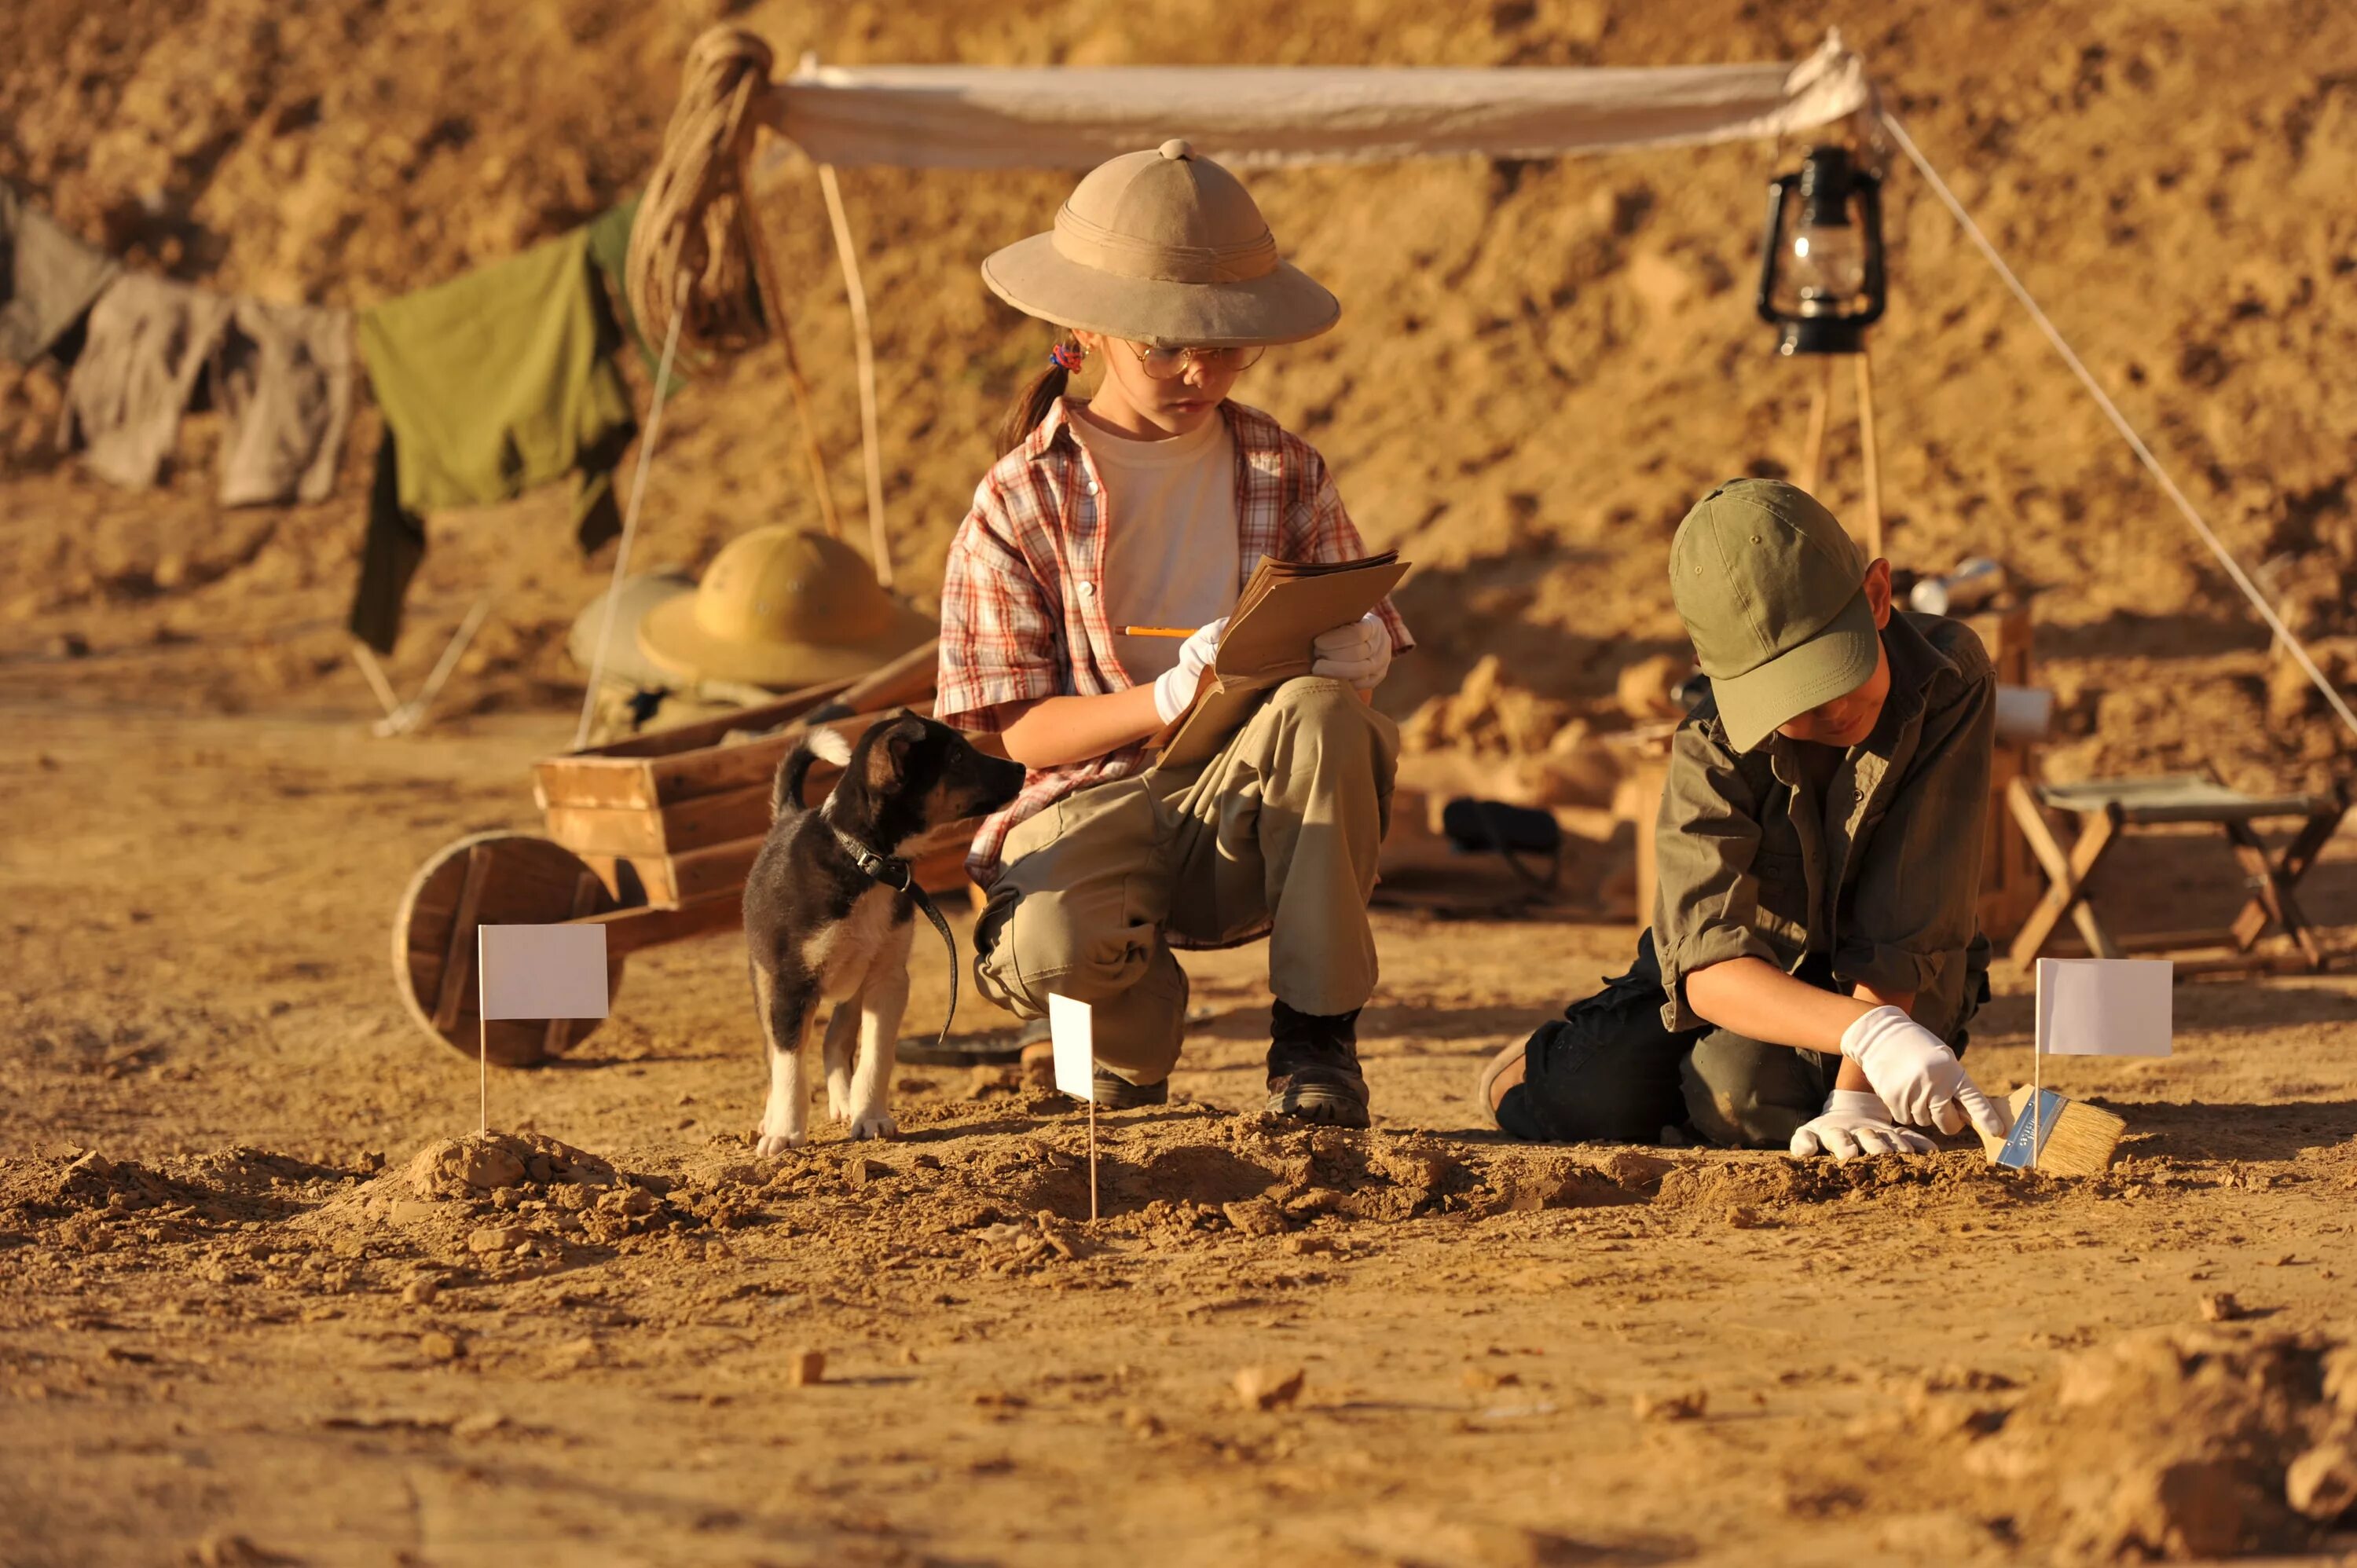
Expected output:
(1165, 247)
(781, 608)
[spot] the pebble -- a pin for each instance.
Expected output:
(497, 1238)
(421, 1292)
(1687, 1406)
(1255, 1217)
(804, 1368)
(1268, 1388)
(2322, 1482)
(481, 1424)
(859, 1170)
(436, 1346)
(2219, 1306)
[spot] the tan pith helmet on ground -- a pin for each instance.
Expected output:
(781, 608)
(1163, 247)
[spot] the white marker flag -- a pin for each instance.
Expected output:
(542, 971)
(1072, 1026)
(2104, 1006)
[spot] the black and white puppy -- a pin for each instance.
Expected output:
(819, 929)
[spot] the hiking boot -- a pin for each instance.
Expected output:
(1313, 1067)
(1115, 1092)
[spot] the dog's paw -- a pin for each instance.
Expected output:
(877, 1126)
(778, 1143)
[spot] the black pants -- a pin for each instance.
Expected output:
(1607, 1071)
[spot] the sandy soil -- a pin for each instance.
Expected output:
(236, 1323)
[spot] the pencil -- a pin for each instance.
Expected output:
(1159, 630)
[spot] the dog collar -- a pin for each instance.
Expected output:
(891, 870)
(894, 872)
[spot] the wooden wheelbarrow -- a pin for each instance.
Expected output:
(650, 837)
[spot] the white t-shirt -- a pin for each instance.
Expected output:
(1168, 511)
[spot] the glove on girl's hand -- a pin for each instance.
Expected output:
(1174, 688)
(1359, 653)
(1917, 1075)
(1852, 1124)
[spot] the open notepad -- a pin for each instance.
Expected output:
(1285, 607)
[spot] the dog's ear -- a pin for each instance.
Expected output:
(828, 745)
(887, 754)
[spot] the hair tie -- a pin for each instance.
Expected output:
(1068, 357)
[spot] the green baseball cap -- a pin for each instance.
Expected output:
(1772, 591)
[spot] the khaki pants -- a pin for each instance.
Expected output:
(1279, 832)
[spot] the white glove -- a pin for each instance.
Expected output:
(1852, 1124)
(1174, 688)
(1358, 653)
(1917, 1075)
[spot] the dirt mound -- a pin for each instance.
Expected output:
(2183, 1443)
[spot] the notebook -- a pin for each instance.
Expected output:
(1285, 607)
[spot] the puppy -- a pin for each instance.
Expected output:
(820, 930)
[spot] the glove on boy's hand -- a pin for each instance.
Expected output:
(1917, 1075)
(1174, 688)
(1852, 1124)
(1359, 653)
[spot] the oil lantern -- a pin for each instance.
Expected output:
(1821, 276)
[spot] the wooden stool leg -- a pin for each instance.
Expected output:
(2093, 844)
(2288, 868)
(2060, 894)
(2272, 893)
(2067, 875)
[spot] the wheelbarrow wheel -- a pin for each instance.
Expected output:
(495, 879)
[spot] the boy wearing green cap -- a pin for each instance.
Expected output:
(1814, 952)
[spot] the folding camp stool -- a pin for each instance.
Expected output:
(2107, 808)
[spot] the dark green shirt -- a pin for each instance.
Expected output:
(1871, 857)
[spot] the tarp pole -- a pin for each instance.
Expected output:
(871, 451)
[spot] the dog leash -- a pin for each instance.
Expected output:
(896, 872)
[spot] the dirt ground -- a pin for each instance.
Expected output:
(236, 1325)
(260, 1303)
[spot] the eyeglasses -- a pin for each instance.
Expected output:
(1169, 364)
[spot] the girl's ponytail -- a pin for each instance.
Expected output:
(1032, 403)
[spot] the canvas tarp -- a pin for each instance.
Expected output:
(1261, 116)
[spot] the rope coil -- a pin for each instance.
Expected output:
(696, 250)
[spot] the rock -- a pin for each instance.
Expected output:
(497, 1238)
(436, 1346)
(861, 1171)
(2322, 1482)
(1255, 1217)
(1141, 1422)
(804, 1368)
(412, 1211)
(574, 1354)
(1687, 1406)
(1307, 1246)
(421, 1292)
(2190, 1508)
(2219, 1306)
(1268, 1388)
(482, 1423)
(1415, 1167)
(487, 1167)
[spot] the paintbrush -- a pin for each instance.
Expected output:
(2059, 1136)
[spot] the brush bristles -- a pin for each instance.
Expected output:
(2079, 1143)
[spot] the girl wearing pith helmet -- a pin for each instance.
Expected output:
(1151, 502)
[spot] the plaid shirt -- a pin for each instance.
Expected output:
(1023, 612)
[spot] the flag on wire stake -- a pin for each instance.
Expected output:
(2086, 1007)
(1072, 1026)
(535, 971)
